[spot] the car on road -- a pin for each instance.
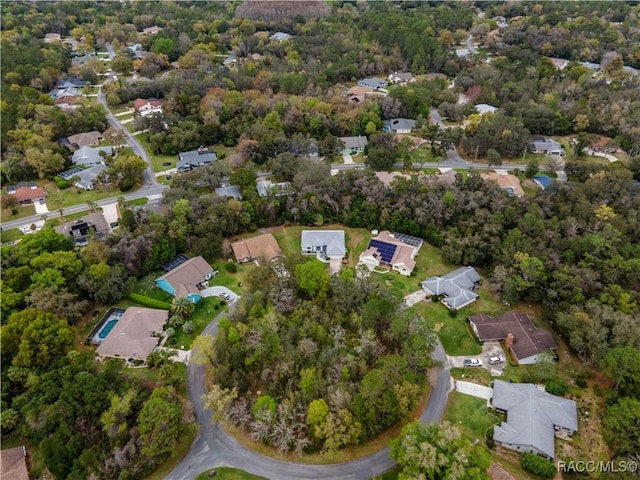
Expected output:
(495, 360)
(472, 362)
(225, 296)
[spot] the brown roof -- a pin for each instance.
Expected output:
(65, 100)
(528, 339)
(141, 102)
(403, 253)
(186, 276)
(133, 335)
(28, 193)
(388, 177)
(263, 246)
(13, 464)
(86, 139)
(506, 182)
(360, 91)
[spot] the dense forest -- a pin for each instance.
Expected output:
(574, 248)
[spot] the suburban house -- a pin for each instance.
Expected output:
(508, 183)
(15, 463)
(187, 278)
(86, 178)
(388, 177)
(147, 106)
(559, 63)
(90, 155)
(68, 103)
(187, 161)
(547, 146)
(135, 335)
(84, 59)
(86, 139)
(152, 30)
(456, 287)
(353, 145)
(449, 177)
(395, 251)
(401, 78)
(59, 93)
(253, 248)
(229, 191)
(399, 125)
(267, 187)
(52, 37)
(534, 418)
(71, 82)
(81, 230)
(543, 181)
(358, 93)
(522, 338)
(27, 192)
(325, 244)
(463, 52)
(372, 82)
(280, 36)
(484, 108)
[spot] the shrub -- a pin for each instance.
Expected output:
(538, 465)
(489, 438)
(581, 382)
(556, 387)
(126, 183)
(435, 298)
(230, 267)
(148, 301)
(453, 312)
(61, 183)
(188, 327)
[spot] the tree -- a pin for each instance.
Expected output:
(622, 364)
(36, 339)
(538, 465)
(621, 426)
(544, 368)
(122, 64)
(494, 157)
(104, 282)
(159, 423)
(532, 168)
(203, 350)
(437, 451)
(312, 277)
(382, 151)
(126, 171)
(182, 307)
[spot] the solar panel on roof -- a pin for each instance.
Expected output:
(386, 249)
(67, 174)
(174, 262)
(408, 239)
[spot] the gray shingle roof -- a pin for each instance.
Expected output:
(195, 158)
(400, 124)
(230, 191)
(88, 176)
(532, 415)
(457, 286)
(329, 242)
(90, 155)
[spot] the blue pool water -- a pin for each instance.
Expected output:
(107, 328)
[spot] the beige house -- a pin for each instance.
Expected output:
(14, 463)
(395, 251)
(263, 246)
(508, 183)
(187, 279)
(136, 334)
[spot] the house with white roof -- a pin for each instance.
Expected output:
(90, 155)
(456, 288)
(534, 418)
(399, 125)
(401, 78)
(325, 244)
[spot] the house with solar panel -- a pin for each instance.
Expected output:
(391, 251)
(185, 277)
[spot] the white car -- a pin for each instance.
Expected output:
(225, 296)
(495, 360)
(472, 362)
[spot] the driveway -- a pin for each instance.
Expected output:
(41, 208)
(347, 159)
(215, 448)
(217, 290)
(335, 264)
(415, 297)
(489, 349)
(475, 390)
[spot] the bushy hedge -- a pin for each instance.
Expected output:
(148, 301)
(538, 465)
(556, 387)
(230, 267)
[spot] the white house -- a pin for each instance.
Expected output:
(325, 244)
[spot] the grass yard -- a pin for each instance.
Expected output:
(227, 473)
(469, 414)
(481, 376)
(75, 196)
(422, 155)
(147, 286)
(11, 235)
(22, 212)
(206, 310)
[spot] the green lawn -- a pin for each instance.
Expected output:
(470, 414)
(23, 211)
(481, 376)
(206, 310)
(227, 473)
(75, 196)
(422, 155)
(147, 286)
(11, 235)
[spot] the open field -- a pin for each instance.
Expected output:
(10, 235)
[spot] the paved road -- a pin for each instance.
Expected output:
(215, 448)
(469, 43)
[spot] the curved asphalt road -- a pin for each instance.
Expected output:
(215, 448)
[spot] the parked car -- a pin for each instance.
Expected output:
(225, 296)
(496, 360)
(472, 362)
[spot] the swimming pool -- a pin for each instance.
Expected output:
(107, 328)
(105, 325)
